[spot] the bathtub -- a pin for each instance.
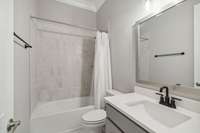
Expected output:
(63, 116)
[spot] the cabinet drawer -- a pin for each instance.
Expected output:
(125, 124)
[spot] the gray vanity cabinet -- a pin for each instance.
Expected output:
(111, 128)
(118, 123)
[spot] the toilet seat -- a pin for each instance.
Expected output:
(94, 117)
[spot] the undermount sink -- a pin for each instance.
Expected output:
(164, 115)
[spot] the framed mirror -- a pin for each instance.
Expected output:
(168, 46)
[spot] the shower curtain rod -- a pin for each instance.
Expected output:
(69, 34)
(64, 23)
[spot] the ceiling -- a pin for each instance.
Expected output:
(92, 5)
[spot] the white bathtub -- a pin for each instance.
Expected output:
(60, 116)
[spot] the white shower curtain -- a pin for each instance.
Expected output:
(102, 69)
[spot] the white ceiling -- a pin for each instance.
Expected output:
(92, 5)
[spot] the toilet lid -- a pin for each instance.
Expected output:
(94, 116)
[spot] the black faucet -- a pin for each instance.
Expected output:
(166, 100)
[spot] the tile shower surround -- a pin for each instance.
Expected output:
(61, 66)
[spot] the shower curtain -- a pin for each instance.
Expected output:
(102, 69)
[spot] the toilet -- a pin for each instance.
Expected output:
(93, 121)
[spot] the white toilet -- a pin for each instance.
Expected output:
(93, 121)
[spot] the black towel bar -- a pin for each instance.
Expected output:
(171, 54)
(26, 44)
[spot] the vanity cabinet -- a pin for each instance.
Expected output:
(111, 128)
(118, 123)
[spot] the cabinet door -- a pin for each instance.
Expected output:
(111, 128)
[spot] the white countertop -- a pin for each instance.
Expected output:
(119, 102)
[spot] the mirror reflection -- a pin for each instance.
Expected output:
(169, 46)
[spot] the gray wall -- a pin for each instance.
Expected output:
(118, 17)
(65, 13)
(22, 11)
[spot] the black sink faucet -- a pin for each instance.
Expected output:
(167, 99)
